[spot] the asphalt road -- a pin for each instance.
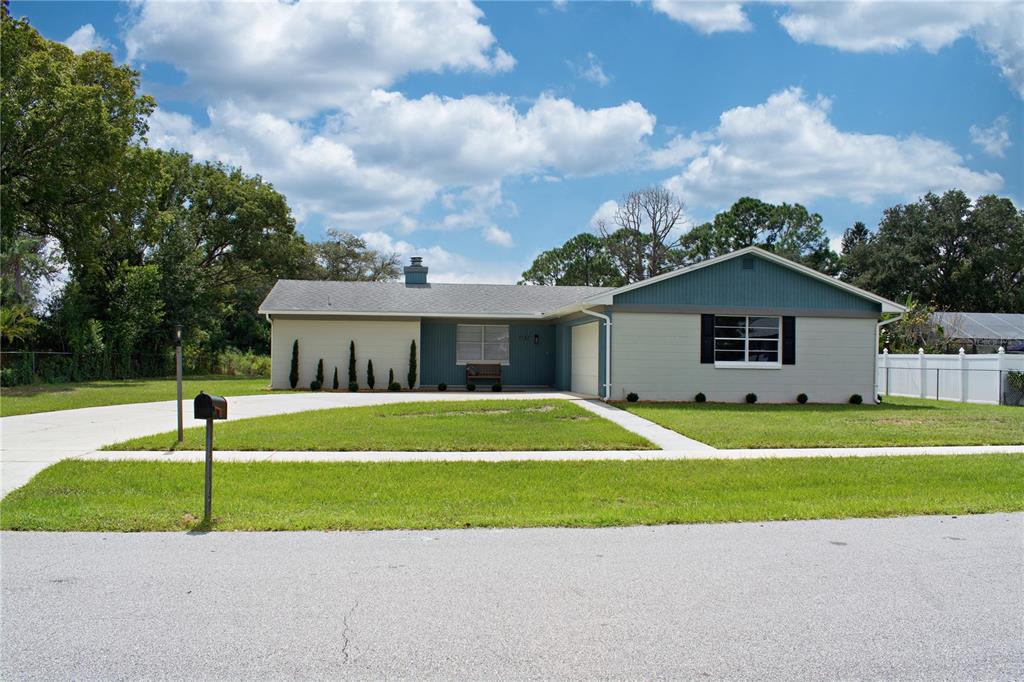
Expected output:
(919, 598)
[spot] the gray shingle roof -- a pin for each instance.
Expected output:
(302, 296)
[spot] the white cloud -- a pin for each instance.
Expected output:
(678, 150)
(787, 149)
(389, 155)
(604, 214)
(592, 70)
(866, 26)
(995, 139)
(706, 17)
(85, 39)
(299, 58)
(495, 235)
(445, 266)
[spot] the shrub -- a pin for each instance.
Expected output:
(394, 386)
(233, 362)
(353, 386)
(371, 381)
(442, 387)
(352, 362)
(411, 377)
(632, 397)
(391, 378)
(700, 398)
(470, 387)
(751, 398)
(320, 373)
(335, 384)
(855, 399)
(293, 376)
(315, 385)
(496, 388)
(802, 398)
(878, 398)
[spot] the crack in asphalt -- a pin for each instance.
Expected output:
(344, 632)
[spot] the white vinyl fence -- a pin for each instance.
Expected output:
(996, 378)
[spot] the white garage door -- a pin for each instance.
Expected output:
(584, 358)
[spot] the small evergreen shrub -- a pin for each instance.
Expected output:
(751, 398)
(855, 399)
(391, 378)
(293, 376)
(320, 373)
(352, 362)
(353, 386)
(632, 397)
(496, 388)
(878, 398)
(335, 383)
(315, 385)
(700, 398)
(411, 377)
(802, 398)
(470, 387)
(442, 387)
(370, 379)
(394, 386)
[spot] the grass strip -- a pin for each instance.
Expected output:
(896, 422)
(160, 496)
(463, 426)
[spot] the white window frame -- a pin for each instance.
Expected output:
(748, 364)
(483, 335)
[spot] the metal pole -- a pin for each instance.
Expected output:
(208, 498)
(177, 372)
(936, 383)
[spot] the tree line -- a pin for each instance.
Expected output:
(943, 252)
(142, 239)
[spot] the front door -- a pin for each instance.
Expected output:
(585, 359)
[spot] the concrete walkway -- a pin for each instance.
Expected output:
(706, 452)
(29, 443)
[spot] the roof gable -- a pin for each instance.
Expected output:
(750, 278)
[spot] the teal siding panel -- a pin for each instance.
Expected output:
(768, 285)
(530, 364)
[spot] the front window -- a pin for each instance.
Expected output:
(481, 344)
(747, 340)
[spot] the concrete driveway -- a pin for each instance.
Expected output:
(934, 598)
(30, 443)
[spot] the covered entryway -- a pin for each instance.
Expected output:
(585, 344)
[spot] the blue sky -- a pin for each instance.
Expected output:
(480, 135)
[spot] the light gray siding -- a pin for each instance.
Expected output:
(657, 356)
(385, 342)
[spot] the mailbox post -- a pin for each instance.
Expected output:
(177, 373)
(209, 407)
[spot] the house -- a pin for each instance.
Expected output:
(747, 322)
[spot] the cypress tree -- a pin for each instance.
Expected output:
(293, 376)
(412, 365)
(335, 379)
(320, 372)
(352, 362)
(391, 377)
(370, 380)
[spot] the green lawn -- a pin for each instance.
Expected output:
(50, 397)
(430, 426)
(897, 421)
(138, 495)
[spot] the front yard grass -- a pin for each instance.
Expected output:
(419, 426)
(165, 496)
(896, 422)
(51, 397)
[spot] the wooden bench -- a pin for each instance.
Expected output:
(475, 373)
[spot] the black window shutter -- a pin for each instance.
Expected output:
(789, 340)
(707, 339)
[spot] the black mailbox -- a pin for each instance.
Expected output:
(210, 406)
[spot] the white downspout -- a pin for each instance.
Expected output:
(607, 351)
(878, 336)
